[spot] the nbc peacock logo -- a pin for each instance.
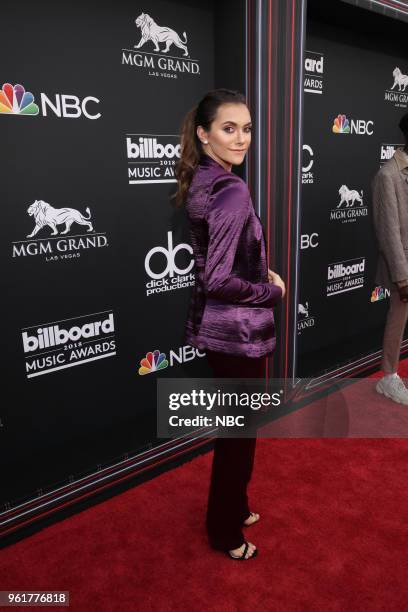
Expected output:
(154, 361)
(379, 293)
(15, 100)
(341, 125)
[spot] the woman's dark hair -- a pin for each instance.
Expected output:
(403, 125)
(203, 114)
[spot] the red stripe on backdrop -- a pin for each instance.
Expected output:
(249, 98)
(269, 127)
(269, 98)
(248, 51)
(394, 5)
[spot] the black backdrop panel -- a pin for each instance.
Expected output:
(82, 309)
(349, 82)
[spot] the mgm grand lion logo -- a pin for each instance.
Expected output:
(45, 214)
(349, 196)
(400, 79)
(150, 30)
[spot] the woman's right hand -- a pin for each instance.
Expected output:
(277, 280)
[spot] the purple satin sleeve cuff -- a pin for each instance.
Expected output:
(240, 291)
(226, 214)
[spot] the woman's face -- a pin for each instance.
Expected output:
(229, 136)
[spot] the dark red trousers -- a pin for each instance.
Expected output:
(232, 465)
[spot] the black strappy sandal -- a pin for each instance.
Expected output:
(242, 557)
(253, 522)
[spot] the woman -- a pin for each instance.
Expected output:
(230, 315)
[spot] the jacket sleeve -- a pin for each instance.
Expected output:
(226, 215)
(387, 226)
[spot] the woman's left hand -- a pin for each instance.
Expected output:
(271, 274)
(273, 277)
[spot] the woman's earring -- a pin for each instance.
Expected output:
(205, 141)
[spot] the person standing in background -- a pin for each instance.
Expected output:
(390, 214)
(230, 315)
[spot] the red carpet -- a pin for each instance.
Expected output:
(332, 536)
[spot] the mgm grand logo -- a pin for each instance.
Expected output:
(398, 94)
(351, 206)
(150, 54)
(304, 318)
(56, 246)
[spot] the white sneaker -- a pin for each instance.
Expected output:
(393, 387)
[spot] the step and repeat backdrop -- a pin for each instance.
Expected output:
(97, 266)
(96, 262)
(355, 92)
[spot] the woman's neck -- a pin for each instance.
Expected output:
(220, 161)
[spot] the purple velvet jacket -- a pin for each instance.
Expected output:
(231, 303)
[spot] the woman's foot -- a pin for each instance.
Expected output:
(253, 518)
(237, 553)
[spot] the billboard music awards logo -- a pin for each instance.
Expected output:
(15, 100)
(152, 158)
(154, 361)
(54, 346)
(167, 275)
(345, 276)
(387, 151)
(308, 162)
(343, 125)
(398, 93)
(313, 81)
(51, 225)
(160, 51)
(350, 207)
(304, 319)
(379, 293)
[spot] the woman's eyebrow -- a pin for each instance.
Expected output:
(233, 123)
